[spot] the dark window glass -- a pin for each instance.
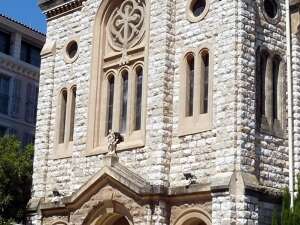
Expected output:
(275, 74)
(110, 103)
(198, 7)
(72, 113)
(4, 94)
(138, 101)
(2, 131)
(31, 103)
(262, 73)
(124, 102)
(16, 98)
(271, 8)
(72, 49)
(30, 54)
(63, 113)
(205, 63)
(190, 85)
(28, 139)
(4, 42)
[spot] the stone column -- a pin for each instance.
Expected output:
(16, 42)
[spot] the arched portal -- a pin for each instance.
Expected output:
(113, 219)
(194, 216)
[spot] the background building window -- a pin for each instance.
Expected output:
(4, 42)
(4, 94)
(16, 98)
(31, 103)
(30, 54)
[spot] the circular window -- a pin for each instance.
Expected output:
(71, 51)
(271, 8)
(197, 9)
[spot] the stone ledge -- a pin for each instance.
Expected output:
(54, 8)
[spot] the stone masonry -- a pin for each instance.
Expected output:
(237, 171)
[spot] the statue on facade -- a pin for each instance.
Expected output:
(113, 139)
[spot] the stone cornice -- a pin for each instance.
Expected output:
(55, 8)
(16, 66)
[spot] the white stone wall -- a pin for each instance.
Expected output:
(235, 29)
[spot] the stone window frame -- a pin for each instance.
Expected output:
(102, 62)
(64, 149)
(67, 58)
(190, 15)
(266, 123)
(191, 214)
(198, 122)
(274, 20)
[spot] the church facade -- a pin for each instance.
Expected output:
(164, 112)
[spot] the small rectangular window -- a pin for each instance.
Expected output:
(4, 94)
(16, 98)
(4, 42)
(30, 54)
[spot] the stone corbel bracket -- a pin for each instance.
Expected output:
(55, 8)
(295, 16)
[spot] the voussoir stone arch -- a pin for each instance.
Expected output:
(60, 222)
(192, 215)
(107, 213)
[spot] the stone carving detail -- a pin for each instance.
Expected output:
(126, 26)
(113, 139)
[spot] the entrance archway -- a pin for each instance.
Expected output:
(113, 219)
(193, 216)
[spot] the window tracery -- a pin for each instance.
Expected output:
(117, 99)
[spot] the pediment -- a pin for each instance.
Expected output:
(115, 174)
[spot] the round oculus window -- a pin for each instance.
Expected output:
(271, 8)
(198, 7)
(72, 49)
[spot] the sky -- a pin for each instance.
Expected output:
(24, 11)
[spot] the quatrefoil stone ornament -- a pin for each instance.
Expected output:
(126, 26)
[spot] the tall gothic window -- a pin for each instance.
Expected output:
(269, 92)
(196, 96)
(63, 115)
(117, 102)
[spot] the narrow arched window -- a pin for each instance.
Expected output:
(138, 98)
(72, 113)
(110, 103)
(262, 81)
(63, 114)
(190, 77)
(124, 101)
(204, 82)
(275, 87)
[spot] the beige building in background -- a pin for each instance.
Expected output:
(20, 48)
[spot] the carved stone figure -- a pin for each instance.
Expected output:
(113, 140)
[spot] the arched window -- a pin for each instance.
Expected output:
(110, 103)
(138, 98)
(190, 76)
(124, 101)
(204, 81)
(196, 96)
(65, 122)
(269, 92)
(72, 113)
(118, 103)
(63, 115)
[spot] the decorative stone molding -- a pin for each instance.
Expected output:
(56, 8)
(49, 48)
(22, 68)
(67, 58)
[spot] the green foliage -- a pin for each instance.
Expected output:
(288, 216)
(15, 179)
